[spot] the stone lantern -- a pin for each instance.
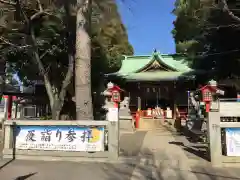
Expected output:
(108, 96)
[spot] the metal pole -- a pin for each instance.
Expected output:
(188, 95)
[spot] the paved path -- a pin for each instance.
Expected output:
(166, 156)
(154, 156)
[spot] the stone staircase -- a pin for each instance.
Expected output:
(149, 124)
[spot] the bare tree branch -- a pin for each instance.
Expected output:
(42, 69)
(40, 6)
(44, 54)
(39, 12)
(68, 77)
(40, 64)
(47, 51)
(230, 13)
(8, 2)
(11, 44)
(36, 15)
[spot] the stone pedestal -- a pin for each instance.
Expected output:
(124, 108)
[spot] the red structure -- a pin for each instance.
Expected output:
(137, 119)
(9, 105)
(115, 93)
(207, 95)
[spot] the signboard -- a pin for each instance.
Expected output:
(60, 138)
(112, 114)
(230, 109)
(214, 106)
(183, 122)
(233, 141)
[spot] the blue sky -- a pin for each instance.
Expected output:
(149, 24)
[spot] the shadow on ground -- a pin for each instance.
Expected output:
(216, 173)
(143, 165)
(130, 144)
(199, 151)
(6, 163)
(192, 148)
(25, 176)
(164, 170)
(139, 168)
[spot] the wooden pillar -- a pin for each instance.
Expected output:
(174, 105)
(9, 107)
(16, 110)
(139, 100)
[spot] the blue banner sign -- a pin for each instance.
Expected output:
(60, 138)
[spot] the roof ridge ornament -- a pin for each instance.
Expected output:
(156, 52)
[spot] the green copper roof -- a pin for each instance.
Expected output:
(177, 62)
(158, 76)
(134, 67)
(132, 64)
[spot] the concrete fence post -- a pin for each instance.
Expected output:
(113, 135)
(214, 138)
(113, 131)
(8, 137)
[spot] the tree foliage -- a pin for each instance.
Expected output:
(36, 33)
(52, 47)
(190, 21)
(111, 35)
(211, 37)
(109, 43)
(54, 38)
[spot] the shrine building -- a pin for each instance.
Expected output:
(157, 80)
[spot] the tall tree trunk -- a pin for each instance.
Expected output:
(84, 109)
(56, 107)
(56, 110)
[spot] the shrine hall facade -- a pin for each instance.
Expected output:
(154, 80)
